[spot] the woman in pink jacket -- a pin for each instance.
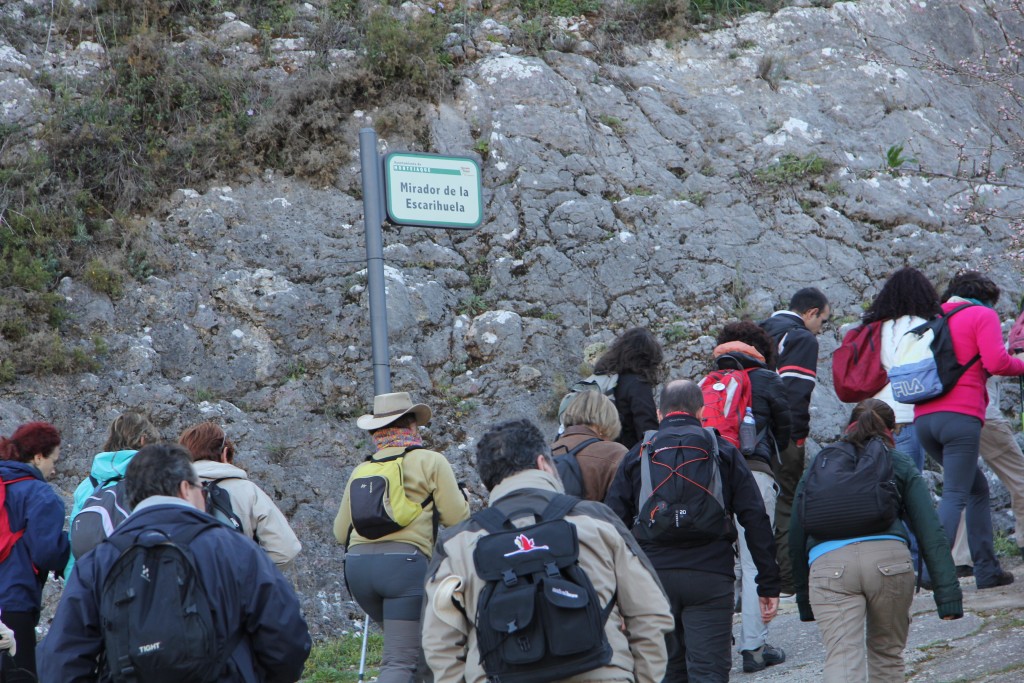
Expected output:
(949, 427)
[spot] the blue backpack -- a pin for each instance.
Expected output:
(926, 366)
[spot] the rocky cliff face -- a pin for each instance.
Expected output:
(692, 184)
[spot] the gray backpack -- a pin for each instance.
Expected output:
(100, 514)
(603, 383)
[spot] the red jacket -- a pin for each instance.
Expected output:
(975, 330)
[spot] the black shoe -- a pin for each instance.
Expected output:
(1003, 578)
(964, 570)
(764, 656)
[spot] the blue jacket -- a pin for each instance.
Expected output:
(248, 594)
(35, 507)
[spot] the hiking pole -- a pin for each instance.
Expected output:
(362, 656)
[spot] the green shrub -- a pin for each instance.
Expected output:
(409, 56)
(791, 168)
(103, 279)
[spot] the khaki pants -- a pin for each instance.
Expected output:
(863, 588)
(1001, 453)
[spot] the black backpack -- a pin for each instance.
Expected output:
(849, 492)
(156, 616)
(10, 673)
(218, 504)
(569, 468)
(681, 501)
(539, 618)
(101, 513)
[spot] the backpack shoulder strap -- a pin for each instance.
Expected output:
(558, 507)
(492, 520)
(580, 446)
(646, 487)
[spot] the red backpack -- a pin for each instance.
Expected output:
(857, 371)
(7, 537)
(727, 395)
(1016, 340)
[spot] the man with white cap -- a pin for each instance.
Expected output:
(388, 519)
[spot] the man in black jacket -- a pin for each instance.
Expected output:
(698, 578)
(795, 333)
(253, 605)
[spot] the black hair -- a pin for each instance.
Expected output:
(808, 298)
(509, 448)
(972, 285)
(158, 470)
(681, 395)
(906, 292)
(636, 351)
(870, 418)
(752, 334)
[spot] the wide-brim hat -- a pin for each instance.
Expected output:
(389, 407)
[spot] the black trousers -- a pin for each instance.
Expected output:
(24, 626)
(700, 648)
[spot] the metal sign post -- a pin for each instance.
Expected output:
(428, 190)
(373, 220)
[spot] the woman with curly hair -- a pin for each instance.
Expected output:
(636, 357)
(38, 543)
(907, 299)
(949, 426)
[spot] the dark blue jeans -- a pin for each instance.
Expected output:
(953, 440)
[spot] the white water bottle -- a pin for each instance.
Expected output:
(748, 433)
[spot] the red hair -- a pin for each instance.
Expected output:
(29, 440)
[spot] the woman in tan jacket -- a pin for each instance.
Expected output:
(213, 455)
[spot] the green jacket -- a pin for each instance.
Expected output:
(919, 512)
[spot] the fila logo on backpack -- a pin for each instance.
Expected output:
(681, 501)
(727, 396)
(926, 366)
(539, 618)
(849, 492)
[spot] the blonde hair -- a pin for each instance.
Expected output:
(594, 409)
(128, 431)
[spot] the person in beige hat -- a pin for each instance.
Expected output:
(387, 522)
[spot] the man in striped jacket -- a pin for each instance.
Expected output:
(795, 333)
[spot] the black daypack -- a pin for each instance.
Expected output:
(218, 504)
(101, 513)
(539, 618)
(681, 501)
(10, 673)
(157, 622)
(849, 492)
(569, 468)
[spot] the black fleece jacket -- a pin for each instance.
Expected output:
(634, 399)
(742, 498)
(797, 350)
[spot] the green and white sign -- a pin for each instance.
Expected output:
(433, 191)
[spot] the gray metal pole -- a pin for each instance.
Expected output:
(373, 219)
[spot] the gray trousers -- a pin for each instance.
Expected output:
(387, 579)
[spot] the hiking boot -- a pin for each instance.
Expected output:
(764, 656)
(1003, 578)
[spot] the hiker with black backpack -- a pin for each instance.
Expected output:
(678, 490)
(388, 520)
(32, 538)
(540, 586)
(233, 498)
(129, 432)
(636, 358)
(949, 425)
(587, 455)
(745, 351)
(173, 596)
(850, 549)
